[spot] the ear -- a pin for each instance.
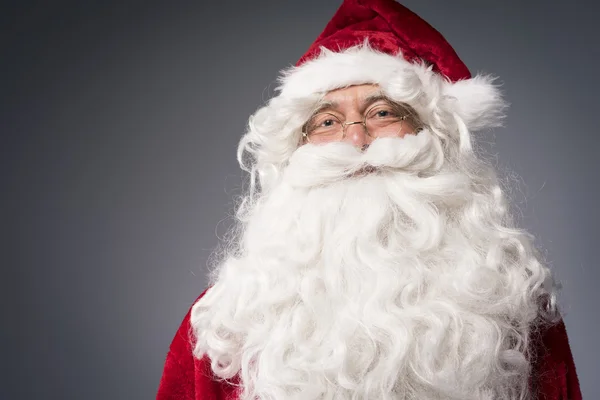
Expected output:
(478, 101)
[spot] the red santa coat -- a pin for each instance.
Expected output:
(188, 378)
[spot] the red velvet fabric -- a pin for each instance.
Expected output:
(390, 27)
(186, 378)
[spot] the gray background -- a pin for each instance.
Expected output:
(119, 124)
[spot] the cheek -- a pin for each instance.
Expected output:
(407, 129)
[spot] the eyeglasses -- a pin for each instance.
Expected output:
(381, 120)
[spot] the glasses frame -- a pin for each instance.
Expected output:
(345, 124)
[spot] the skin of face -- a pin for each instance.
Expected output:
(349, 104)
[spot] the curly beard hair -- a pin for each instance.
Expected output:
(394, 273)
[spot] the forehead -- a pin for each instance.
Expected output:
(352, 93)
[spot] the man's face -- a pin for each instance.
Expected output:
(397, 283)
(358, 115)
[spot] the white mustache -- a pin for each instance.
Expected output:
(315, 165)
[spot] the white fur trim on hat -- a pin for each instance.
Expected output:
(477, 101)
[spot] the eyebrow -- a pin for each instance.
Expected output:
(366, 102)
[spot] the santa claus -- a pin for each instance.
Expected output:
(374, 256)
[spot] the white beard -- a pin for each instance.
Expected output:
(405, 283)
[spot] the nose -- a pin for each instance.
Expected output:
(356, 134)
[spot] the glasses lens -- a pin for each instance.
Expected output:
(385, 120)
(324, 127)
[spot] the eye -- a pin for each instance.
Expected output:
(322, 123)
(383, 111)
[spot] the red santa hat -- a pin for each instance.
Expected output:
(379, 41)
